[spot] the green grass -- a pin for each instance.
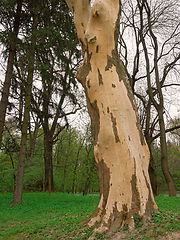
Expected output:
(58, 216)
(45, 217)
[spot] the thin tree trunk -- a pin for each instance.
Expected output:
(7, 82)
(148, 136)
(152, 173)
(48, 146)
(88, 181)
(75, 167)
(33, 140)
(64, 173)
(120, 150)
(20, 173)
(158, 105)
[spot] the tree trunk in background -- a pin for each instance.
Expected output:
(164, 160)
(152, 173)
(33, 139)
(20, 173)
(88, 181)
(148, 136)
(120, 150)
(7, 82)
(75, 167)
(159, 101)
(48, 146)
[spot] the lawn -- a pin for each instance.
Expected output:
(57, 216)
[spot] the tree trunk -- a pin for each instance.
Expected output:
(75, 167)
(164, 160)
(152, 173)
(120, 150)
(33, 139)
(148, 136)
(48, 146)
(20, 173)
(88, 181)
(7, 82)
(159, 105)
(64, 172)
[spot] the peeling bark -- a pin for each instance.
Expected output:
(120, 150)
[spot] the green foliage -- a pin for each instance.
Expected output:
(74, 163)
(173, 150)
(101, 236)
(6, 173)
(137, 220)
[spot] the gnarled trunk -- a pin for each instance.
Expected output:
(120, 150)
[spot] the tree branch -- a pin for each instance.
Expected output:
(167, 130)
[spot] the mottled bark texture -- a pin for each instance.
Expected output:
(120, 150)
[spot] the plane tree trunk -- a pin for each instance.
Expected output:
(120, 150)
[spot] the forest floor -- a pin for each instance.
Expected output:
(57, 216)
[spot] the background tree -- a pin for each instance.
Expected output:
(17, 198)
(145, 22)
(9, 10)
(57, 61)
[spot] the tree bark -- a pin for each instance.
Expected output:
(148, 136)
(164, 160)
(20, 173)
(152, 173)
(120, 150)
(7, 82)
(32, 140)
(48, 146)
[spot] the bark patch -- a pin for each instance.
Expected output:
(100, 77)
(150, 203)
(140, 132)
(104, 180)
(95, 118)
(135, 205)
(88, 84)
(113, 119)
(84, 70)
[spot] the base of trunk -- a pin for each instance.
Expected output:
(107, 219)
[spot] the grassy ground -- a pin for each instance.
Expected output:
(58, 216)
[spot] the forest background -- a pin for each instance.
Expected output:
(44, 107)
